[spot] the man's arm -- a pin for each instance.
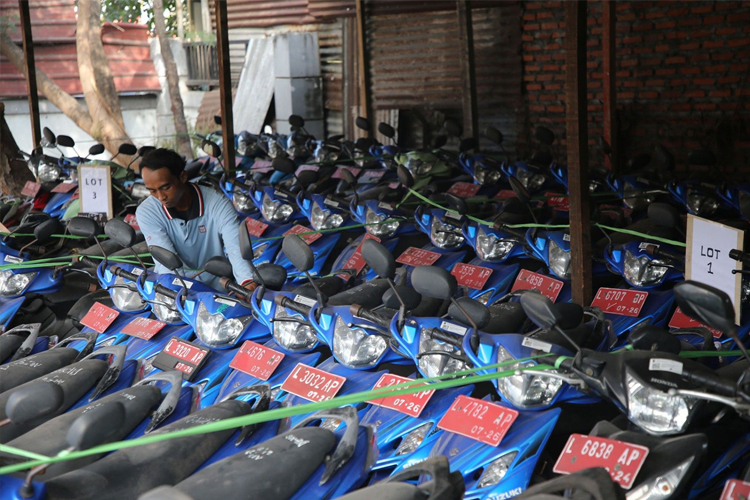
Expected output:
(229, 223)
(154, 233)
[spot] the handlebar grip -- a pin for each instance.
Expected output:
(285, 301)
(739, 256)
(239, 289)
(118, 271)
(166, 291)
(361, 312)
(658, 252)
(501, 226)
(446, 337)
(87, 261)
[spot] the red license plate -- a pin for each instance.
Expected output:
(371, 175)
(471, 276)
(621, 302)
(312, 384)
(75, 196)
(255, 227)
(99, 317)
(183, 356)
(338, 175)
(464, 189)
(414, 256)
(262, 166)
(308, 238)
(734, 489)
(356, 261)
(478, 419)
(143, 328)
(549, 287)
(132, 221)
(65, 187)
(408, 404)
(31, 189)
(256, 360)
(557, 201)
(682, 320)
(622, 460)
(505, 194)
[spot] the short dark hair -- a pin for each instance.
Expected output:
(164, 158)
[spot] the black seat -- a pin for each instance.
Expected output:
(26, 369)
(273, 470)
(505, 317)
(330, 285)
(368, 294)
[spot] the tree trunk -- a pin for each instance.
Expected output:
(105, 125)
(13, 172)
(173, 82)
(105, 82)
(57, 96)
(180, 20)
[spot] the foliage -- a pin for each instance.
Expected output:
(133, 11)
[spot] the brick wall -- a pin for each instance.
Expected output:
(682, 77)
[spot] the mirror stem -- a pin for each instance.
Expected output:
(182, 281)
(143, 264)
(27, 489)
(318, 293)
(567, 337)
(27, 245)
(401, 307)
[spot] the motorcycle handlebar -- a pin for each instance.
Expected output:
(240, 290)
(285, 301)
(118, 271)
(714, 383)
(740, 256)
(361, 312)
(655, 251)
(172, 294)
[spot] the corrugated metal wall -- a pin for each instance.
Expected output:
(331, 49)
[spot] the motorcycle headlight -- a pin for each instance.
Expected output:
(258, 251)
(379, 225)
(490, 248)
(324, 219)
(655, 411)
(241, 201)
(48, 172)
(273, 148)
(526, 390)
(125, 296)
(445, 236)
(412, 441)
(642, 271)
(559, 260)
(14, 284)
(139, 191)
(215, 330)
(530, 180)
(496, 471)
(292, 335)
(636, 199)
(662, 486)
(593, 186)
(165, 309)
(417, 167)
(275, 211)
(434, 365)
(325, 155)
(355, 348)
(701, 204)
(486, 176)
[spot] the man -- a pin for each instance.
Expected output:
(194, 222)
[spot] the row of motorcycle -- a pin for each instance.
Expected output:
(373, 266)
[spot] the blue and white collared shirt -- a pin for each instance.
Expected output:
(209, 230)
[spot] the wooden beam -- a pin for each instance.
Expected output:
(577, 142)
(363, 62)
(468, 69)
(225, 85)
(609, 64)
(28, 51)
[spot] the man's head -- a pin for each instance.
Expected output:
(163, 173)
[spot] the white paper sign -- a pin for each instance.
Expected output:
(95, 187)
(707, 257)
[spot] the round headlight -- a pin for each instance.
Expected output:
(324, 219)
(526, 390)
(490, 248)
(48, 172)
(125, 296)
(292, 335)
(165, 309)
(380, 225)
(275, 211)
(445, 236)
(242, 202)
(355, 348)
(559, 260)
(216, 331)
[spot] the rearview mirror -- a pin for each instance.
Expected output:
(404, 176)
(298, 252)
(219, 266)
(379, 258)
(386, 130)
(544, 135)
(664, 215)
(362, 123)
(453, 128)
(434, 282)
(120, 232)
(284, 165)
(307, 177)
(34, 401)
(246, 244)
(211, 148)
(84, 227)
(49, 136)
(519, 190)
(706, 304)
(127, 149)
(144, 150)
(494, 135)
(348, 177)
(639, 161)
(165, 257)
(96, 149)
(46, 229)
(296, 121)
(217, 120)
(64, 140)
(540, 310)
(273, 275)
(96, 425)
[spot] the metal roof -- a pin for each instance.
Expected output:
(54, 31)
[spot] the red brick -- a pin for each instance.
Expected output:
(654, 83)
(699, 57)
(705, 106)
(626, 17)
(713, 20)
(677, 12)
(676, 82)
(689, 46)
(527, 58)
(674, 60)
(532, 97)
(725, 31)
(544, 78)
(531, 27)
(642, 26)
(549, 26)
(547, 98)
(532, 5)
(558, 57)
(626, 95)
(694, 93)
(527, 38)
(703, 81)
(628, 62)
(537, 108)
(533, 86)
(653, 37)
(551, 67)
(543, 57)
(728, 79)
(738, 42)
(701, 10)
(671, 94)
(699, 34)
(665, 71)
(739, 67)
(679, 107)
(622, 73)
(622, 6)
(554, 86)
(674, 35)
(662, 48)
(545, 15)
(595, 84)
(726, 106)
(529, 17)
(654, 14)
(726, 5)
(556, 109)
(640, 73)
(632, 39)
(718, 68)
(689, 71)
(722, 56)
(720, 93)
(689, 21)
(739, 16)
(643, 50)
(529, 78)
(630, 84)
(715, 44)
(666, 25)
(648, 95)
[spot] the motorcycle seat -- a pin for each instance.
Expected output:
(273, 470)
(389, 491)
(27, 369)
(329, 286)
(368, 295)
(505, 317)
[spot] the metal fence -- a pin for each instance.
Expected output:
(203, 64)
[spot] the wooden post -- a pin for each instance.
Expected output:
(28, 51)
(468, 70)
(609, 64)
(363, 62)
(225, 85)
(577, 141)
